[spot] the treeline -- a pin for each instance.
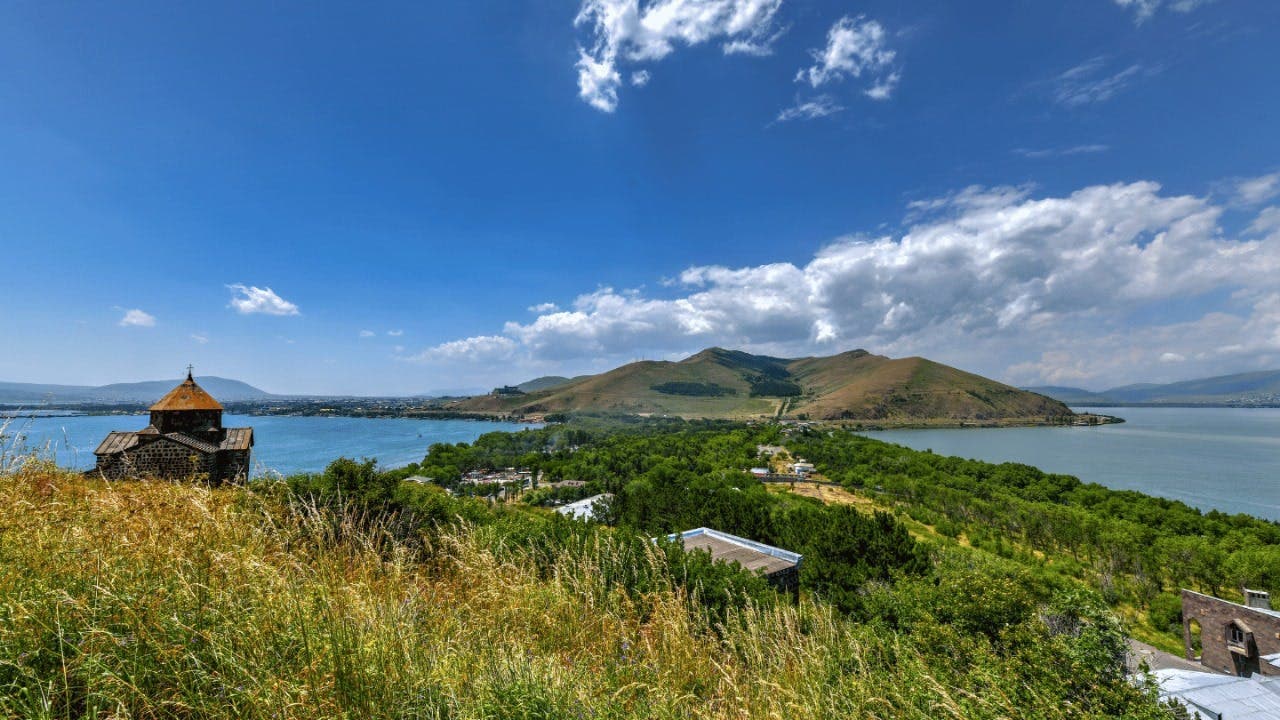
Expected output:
(693, 389)
(667, 479)
(1137, 548)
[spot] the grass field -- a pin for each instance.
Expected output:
(159, 600)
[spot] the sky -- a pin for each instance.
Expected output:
(400, 198)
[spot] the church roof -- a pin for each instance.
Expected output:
(187, 396)
(117, 441)
(193, 443)
(237, 439)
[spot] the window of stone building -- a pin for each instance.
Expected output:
(1236, 635)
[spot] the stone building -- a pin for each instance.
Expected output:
(185, 439)
(1235, 639)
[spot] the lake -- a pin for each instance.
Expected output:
(284, 444)
(1211, 458)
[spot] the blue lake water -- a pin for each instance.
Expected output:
(1212, 458)
(283, 444)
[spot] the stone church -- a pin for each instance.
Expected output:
(185, 439)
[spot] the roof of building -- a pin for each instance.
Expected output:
(237, 439)
(1225, 696)
(119, 441)
(584, 509)
(751, 555)
(187, 396)
(193, 443)
(116, 441)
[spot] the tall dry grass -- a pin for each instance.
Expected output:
(159, 600)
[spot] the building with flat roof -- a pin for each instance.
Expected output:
(584, 509)
(780, 567)
(1221, 697)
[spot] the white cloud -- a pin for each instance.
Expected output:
(640, 78)
(1144, 9)
(627, 31)
(855, 46)
(200, 338)
(1268, 221)
(1037, 154)
(998, 281)
(395, 333)
(884, 87)
(484, 348)
(1255, 191)
(821, 106)
(545, 307)
(137, 318)
(367, 333)
(248, 300)
(1091, 82)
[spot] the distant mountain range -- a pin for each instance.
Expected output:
(1255, 388)
(719, 383)
(146, 392)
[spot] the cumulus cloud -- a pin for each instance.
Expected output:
(631, 31)
(1091, 82)
(249, 300)
(1254, 191)
(545, 307)
(855, 46)
(484, 348)
(395, 333)
(137, 318)
(367, 333)
(1030, 289)
(821, 106)
(884, 87)
(1268, 221)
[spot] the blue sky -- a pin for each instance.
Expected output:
(403, 197)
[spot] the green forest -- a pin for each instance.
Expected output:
(1133, 550)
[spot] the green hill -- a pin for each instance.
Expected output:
(545, 382)
(719, 383)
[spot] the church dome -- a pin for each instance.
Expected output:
(187, 396)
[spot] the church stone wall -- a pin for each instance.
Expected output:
(159, 458)
(233, 466)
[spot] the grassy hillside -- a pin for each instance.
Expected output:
(153, 600)
(545, 382)
(729, 384)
